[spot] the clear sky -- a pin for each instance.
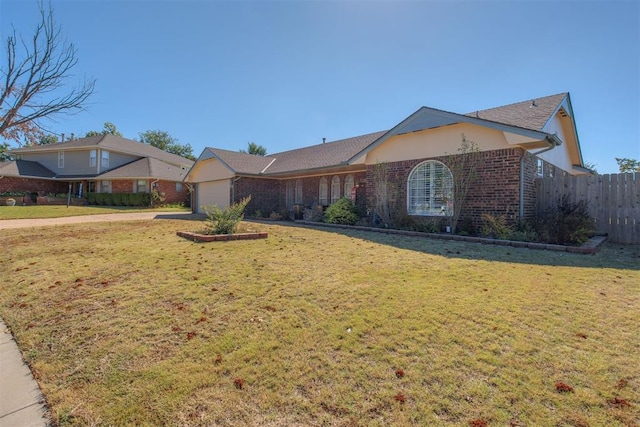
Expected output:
(285, 74)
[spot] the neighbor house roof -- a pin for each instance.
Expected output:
(25, 168)
(241, 162)
(146, 168)
(113, 143)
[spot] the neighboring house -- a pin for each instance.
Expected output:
(518, 143)
(102, 164)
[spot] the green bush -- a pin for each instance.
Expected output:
(568, 224)
(342, 212)
(119, 199)
(225, 221)
(496, 226)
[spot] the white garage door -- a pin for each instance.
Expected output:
(213, 193)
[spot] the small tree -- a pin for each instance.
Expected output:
(32, 78)
(383, 193)
(464, 168)
(225, 221)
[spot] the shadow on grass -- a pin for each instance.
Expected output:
(609, 255)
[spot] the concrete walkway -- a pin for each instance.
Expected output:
(21, 402)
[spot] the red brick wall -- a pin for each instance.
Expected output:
(170, 193)
(495, 191)
(269, 195)
(27, 185)
(122, 186)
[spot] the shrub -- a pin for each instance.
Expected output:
(342, 212)
(496, 226)
(568, 224)
(117, 199)
(314, 214)
(157, 198)
(225, 221)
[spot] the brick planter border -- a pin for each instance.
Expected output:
(590, 247)
(197, 237)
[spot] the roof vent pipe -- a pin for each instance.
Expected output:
(62, 137)
(72, 137)
(324, 140)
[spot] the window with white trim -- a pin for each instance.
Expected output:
(349, 183)
(335, 189)
(540, 168)
(430, 189)
(105, 186)
(298, 196)
(141, 186)
(323, 191)
(61, 159)
(93, 158)
(104, 159)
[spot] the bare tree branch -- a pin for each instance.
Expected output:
(33, 86)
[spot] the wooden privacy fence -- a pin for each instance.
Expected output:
(614, 201)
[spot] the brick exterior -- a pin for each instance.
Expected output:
(269, 195)
(171, 195)
(40, 186)
(495, 191)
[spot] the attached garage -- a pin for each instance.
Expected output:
(213, 193)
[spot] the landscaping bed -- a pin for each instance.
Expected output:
(197, 237)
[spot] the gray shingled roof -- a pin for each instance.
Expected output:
(321, 155)
(114, 143)
(25, 168)
(146, 168)
(313, 157)
(242, 162)
(533, 114)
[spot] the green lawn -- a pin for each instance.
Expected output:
(56, 211)
(129, 324)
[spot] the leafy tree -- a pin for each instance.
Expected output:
(108, 129)
(628, 165)
(162, 140)
(47, 139)
(32, 79)
(253, 148)
(4, 155)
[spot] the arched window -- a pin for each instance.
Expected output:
(348, 185)
(289, 194)
(430, 189)
(323, 192)
(298, 198)
(335, 189)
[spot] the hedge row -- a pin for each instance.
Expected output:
(119, 199)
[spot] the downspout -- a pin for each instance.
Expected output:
(233, 189)
(553, 143)
(151, 198)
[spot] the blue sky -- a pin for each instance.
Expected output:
(285, 74)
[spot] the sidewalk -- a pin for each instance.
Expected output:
(21, 403)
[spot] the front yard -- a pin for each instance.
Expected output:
(57, 211)
(128, 323)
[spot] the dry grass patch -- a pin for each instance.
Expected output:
(127, 323)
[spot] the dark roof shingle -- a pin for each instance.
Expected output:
(533, 114)
(25, 168)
